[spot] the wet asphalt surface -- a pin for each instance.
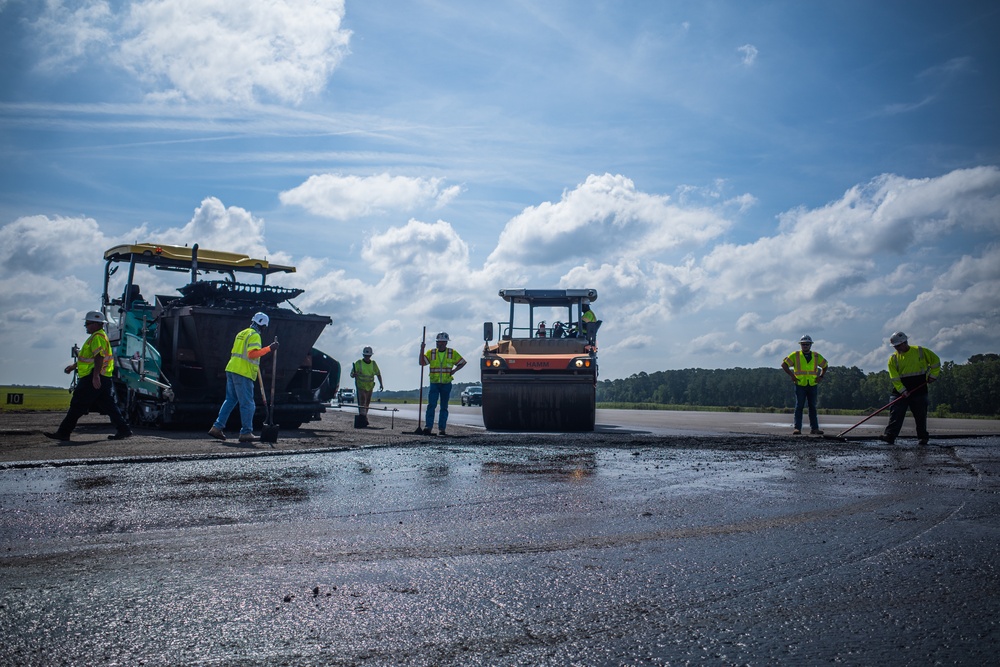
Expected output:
(494, 549)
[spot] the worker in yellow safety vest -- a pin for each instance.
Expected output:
(444, 362)
(586, 317)
(364, 371)
(94, 366)
(806, 368)
(911, 369)
(241, 373)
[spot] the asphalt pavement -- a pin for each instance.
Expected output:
(621, 547)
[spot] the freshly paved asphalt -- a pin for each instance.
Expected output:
(647, 542)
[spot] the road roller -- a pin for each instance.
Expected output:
(541, 373)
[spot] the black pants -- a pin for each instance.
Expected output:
(917, 404)
(85, 397)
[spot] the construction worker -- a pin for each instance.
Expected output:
(241, 373)
(444, 363)
(364, 371)
(587, 317)
(94, 366)
(806, 368)
(911, 369)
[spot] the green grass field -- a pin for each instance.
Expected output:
(42, 399)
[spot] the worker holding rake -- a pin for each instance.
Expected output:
(911, 369)
(444, 362)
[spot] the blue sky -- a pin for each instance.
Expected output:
(728, 175)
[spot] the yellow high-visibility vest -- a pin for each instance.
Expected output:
(441, 361)
(916, 362)
(239, 359)
(806, 372)
(97, 343)
(365, 373)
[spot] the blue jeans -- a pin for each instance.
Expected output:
(442, 390)
(239, 390)
(804, 393)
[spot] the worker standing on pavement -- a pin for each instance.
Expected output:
(94, 366)
(911, 369)
(241, 373)
(364, 371)
(444, 362)
(806, 368)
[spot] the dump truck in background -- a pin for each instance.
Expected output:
(171, 351)
(538, 377)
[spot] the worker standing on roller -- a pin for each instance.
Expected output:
(806, 368)
(364, 371)
(444, 362)
(94, 366)
(911, 369)
(241, 373)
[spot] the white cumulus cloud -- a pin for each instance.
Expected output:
(345, 197)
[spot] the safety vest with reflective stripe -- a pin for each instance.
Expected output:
(239, 360)
(909, 370)
(806, 371)
(440, 361)
(97, 343)
(364, 374)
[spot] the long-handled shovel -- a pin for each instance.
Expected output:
(270, 431)
(882, 409)
(420, 401)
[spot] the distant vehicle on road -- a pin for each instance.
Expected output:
(345, 396)
(472, 395)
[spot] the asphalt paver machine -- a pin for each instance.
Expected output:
(171, 350)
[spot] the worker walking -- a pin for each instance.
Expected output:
(94, 366)
(364, 371)
(911, 369)
(444, 362)
(806, 368)
(241, 373)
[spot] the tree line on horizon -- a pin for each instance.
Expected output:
(971, 388)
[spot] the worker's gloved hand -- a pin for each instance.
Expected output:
(931, 378)
(274, 345)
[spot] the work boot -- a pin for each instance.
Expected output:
(815, 431)
(887, 439)
(923, 442)
(248, 437)
(57, 436)
(427, 431)
(217, 433)
(797, 432)
(121, 435)
(441, 432)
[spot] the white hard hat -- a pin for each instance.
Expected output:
(897, 338)
(367, 352)
(443, 336)
(95, 316)
(806, 339)
(262, 320)
(586, 302)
